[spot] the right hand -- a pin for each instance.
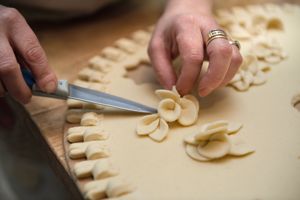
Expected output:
(17, 40)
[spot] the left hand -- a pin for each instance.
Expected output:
(183, 31)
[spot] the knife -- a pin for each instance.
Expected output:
(68, 91)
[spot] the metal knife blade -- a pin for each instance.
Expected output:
(101, 98)
(65, 90)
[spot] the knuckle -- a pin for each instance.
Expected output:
(154, 45)
(7, 66)
(34, 54)
(10, 15)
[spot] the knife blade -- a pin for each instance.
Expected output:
(68, 91)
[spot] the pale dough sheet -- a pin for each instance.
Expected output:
(163, 171)
(271, 124)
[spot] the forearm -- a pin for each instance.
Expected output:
(201, 6)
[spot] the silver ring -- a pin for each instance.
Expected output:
(235, 43)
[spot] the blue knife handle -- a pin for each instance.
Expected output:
(28, 77)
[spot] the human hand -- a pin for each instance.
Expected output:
(17, 40)
(183, 31)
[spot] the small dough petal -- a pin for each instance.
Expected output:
(233, 127)
(193, 99)
(191, 151)
(211, 128)
(147, 124)
(189, 112)
(169, 110)
(167, 94)
(239, 147)
(217, 146)
(161, 132)
(190, 139)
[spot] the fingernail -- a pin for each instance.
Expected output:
(50, 87)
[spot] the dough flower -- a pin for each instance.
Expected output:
(171, 108)
(213, 142)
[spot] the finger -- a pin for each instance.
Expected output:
(26, 43)
(10, 73)
(190, 45)
(2, 91)
(161, 61)
(219, 53)
(236, 61)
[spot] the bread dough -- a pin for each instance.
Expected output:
(147, 124)
(91, 150)
(86, 133)
(161, 132)
(103, 168)
(213, 142)
(164, 171)
(118, 187)
(91, 119)
(169, 110)
(111, 187)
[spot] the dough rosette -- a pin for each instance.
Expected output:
(171, 108)
(213, 142)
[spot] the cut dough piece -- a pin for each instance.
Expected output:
(169, 110)
(83, 169)
(239, 147)
(96, 151)
(86, 133)
(118, 187)
(273, 59)
(91, 119)
(168, 94)
(241, 85)
(126, 45)
(95, 133)
(74, 134)
(72, 103)
(193, 99)
(95, 190)
(190, 139)
(233, 127)
(217, 146)
(239, 32)
(211, 128)
(73, 116)
(161, 132)
(101, 64)
(87, 149)
(141, 37)
(113, 54)
(189, 112)
(259, 78)
(147, 124)
(191, 150)
(237, 77)
(103, 168)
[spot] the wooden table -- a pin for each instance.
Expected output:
(69, 45)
